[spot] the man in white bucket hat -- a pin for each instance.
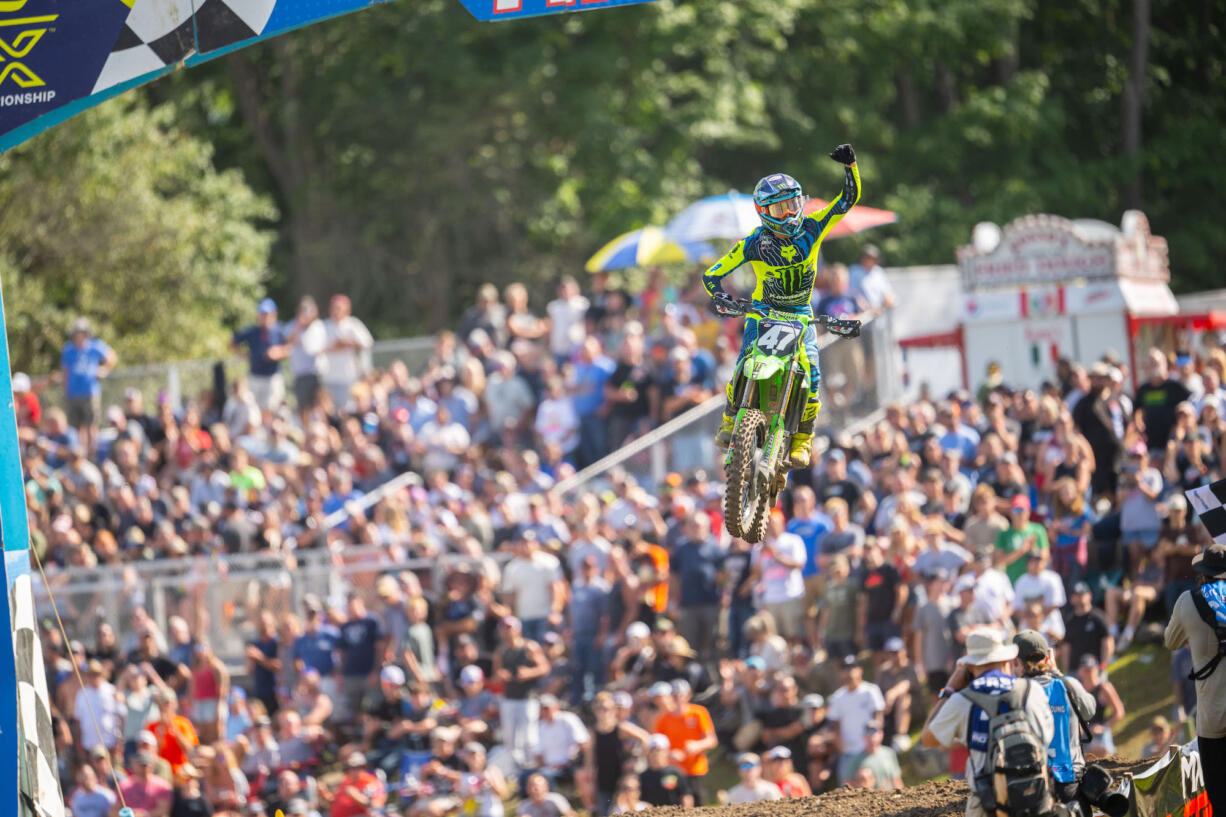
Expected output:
(986, 668)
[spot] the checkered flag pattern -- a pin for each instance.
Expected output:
(33, 706)
(1209, 502)
(160, 33)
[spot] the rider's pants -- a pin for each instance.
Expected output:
(750, 334)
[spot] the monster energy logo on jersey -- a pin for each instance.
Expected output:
(789, 286)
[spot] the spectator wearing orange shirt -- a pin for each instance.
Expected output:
(359, 792)
(650, 564)
(690, 733)
(175, 734)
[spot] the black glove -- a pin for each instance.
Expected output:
(843, 154)
(721, 300)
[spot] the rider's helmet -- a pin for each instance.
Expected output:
(780, 204)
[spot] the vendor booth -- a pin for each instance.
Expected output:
(1046, 288)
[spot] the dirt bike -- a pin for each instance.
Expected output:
(769, 391)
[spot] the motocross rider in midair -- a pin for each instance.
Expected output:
(783, 254)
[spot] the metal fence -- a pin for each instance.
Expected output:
(191, 378)
(223, 597)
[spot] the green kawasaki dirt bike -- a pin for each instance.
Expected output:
(769, 390)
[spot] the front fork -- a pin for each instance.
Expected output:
(784, 419)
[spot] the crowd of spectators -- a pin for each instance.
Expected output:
(604, 650)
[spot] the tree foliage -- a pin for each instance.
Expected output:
(120, 216)
(414, 153)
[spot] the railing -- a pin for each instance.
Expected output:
(223, 596)
(190, 378)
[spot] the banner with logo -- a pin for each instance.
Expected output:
(1174, 786)
(59, 57)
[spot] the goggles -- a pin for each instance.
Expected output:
(782, 209)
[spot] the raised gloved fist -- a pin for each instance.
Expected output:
(843, 154)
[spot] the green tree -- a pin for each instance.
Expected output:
(121, 216)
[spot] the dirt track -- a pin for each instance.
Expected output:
(944, 799)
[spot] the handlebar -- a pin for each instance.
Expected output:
(737, 307)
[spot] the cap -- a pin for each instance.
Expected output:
(660, 689)
(871, 251)
(1080, 588)
(472, 748)
(147, 738)
(663, 625)
(894, 644)
(681, 687)
(267, 307)
(510, 623)
(779, 753)
(81, 325)
(813, 701)
(21, 382)
(1021, 501)
(549, 702)
(472, 674)
(965, 582)
(849, 661)
(1031, 645)
(638, 629)
(1100, 369)
(1034, 556)
(99, 752)
(392, 674)
(755, 662)
(1211, 562)
(622, 699)
(836, 455)
(355, 760)
(748, 760)
(872, 727)
(1088, 660)
(657, 741)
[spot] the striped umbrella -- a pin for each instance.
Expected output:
(860, 218)
(647, 246)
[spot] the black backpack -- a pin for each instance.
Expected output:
(1209, 617)
(1014, 779)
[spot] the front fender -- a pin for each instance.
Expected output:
(762, 368)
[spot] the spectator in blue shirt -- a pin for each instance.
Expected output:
(811, 525)
(361, 646)
(263, 663)
(316, 649)
(84, 361)
(957, 434)
(267, 345)
(589, 626)
(591, 374)
(694, 568)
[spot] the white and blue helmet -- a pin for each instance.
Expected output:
(780, 203)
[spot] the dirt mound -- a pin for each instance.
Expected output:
(945, 798)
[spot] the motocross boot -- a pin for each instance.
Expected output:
(802, 440)
(723, 437)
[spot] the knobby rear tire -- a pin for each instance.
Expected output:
(747, 439)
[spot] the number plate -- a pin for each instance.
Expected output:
(778, 338)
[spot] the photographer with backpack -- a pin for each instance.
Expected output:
(1072, 708)
(1199, 621)
(1004, 721)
